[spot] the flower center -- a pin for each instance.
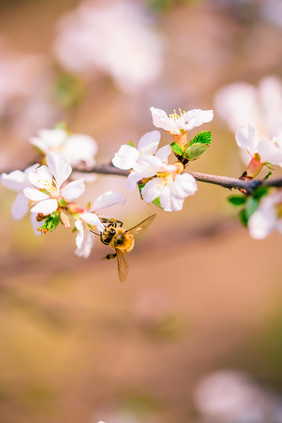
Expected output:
(176, 116)
(50, 188)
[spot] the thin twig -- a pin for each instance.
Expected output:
(223, 181)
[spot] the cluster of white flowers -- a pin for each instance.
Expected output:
(113, 37)
(43, 190)
(148, 165)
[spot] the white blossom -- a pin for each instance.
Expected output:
(18, 181)
(240, 103)
(88, 217)
(116, 38)
(267, 217)
(48, 184)
(269, 151)
(179, 124)
(77, 147)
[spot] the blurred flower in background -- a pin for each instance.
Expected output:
(115, 38)
(229, 396)
(241, 103)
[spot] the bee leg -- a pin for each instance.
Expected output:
(120, 223)
(110, 256)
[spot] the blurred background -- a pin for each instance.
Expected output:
(195, 333)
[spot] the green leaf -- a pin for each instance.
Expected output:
(62, 202)
(61, 125)
(157, 202)
(251, 206)
(176, 149)
(267, 176)
(131, 143)
(260, 192)
(243, 217)
(140, 186)
(203, 137)
(51, 222)
(194, 151)
(237, 200)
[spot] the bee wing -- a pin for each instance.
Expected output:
(142, 225)
(122, 265)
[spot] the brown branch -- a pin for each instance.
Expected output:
(223, 181)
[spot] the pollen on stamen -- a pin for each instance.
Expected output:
(177, 116)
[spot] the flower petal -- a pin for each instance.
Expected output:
(14, 180)
(149, 142)
(45, 207)
(73, 190)
(80, 147)
(126, 157)
(132, 179)
(247, 138)
(161, 120)
(108, 199)
(93, 220)
(35, 224)
(20, 206)
(184, 185)
(49, 140)
(163, 153)
(197, 117)
(80, 236)
(35, 195)
(152, 189)
(270, 152)
(170, 203)
(41, 177)
(59, 166)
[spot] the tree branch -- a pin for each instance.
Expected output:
(223, 181)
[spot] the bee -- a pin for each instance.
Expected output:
(121, 240)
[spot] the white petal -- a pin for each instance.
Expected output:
(197, 117)
(270, 152)
(86, 245)
(184, 185)
(59, 166)
(132, 179)
(80, 147)
(108, 199)
(20, 206)
(261, 224)
(163, 153)
(80, 236)
(161, 120)
(170, 203)
(35, 195)
(149, 142)
(152, 189)
(126, 157)
(14, 180)
(93, 220)
(41, 177)
(73, 189)
(247, 138)
(35, 224)
(148, 165)
(50, 139)
(45, 207)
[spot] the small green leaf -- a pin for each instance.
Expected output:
(62, 202)
(157, 202)
(237, 200)
(260, 192)
(203, 137)
(140, 186)
(131, 143)
(51, 222)
(176, 149)
(267, 176)
(194, 151)
(243, 217)
(251, 206)
(61, 125)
